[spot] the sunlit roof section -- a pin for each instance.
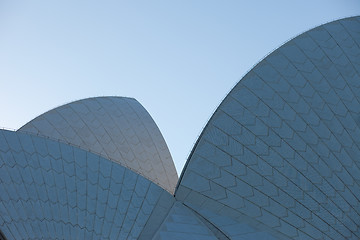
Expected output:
(117, 128)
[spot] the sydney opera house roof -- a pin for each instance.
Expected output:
(119, 129)
(279, 159)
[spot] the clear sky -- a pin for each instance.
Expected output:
(179, 59)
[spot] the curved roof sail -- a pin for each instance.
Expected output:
(117, 128)
(51, 190)
(280, 156)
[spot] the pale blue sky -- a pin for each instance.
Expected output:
(178, 58)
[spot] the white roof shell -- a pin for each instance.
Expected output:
(117, 128)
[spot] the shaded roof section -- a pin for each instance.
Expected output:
(117, 128)
(51, 190)
(280, 156)
(182, 223)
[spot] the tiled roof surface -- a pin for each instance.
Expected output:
(281, 153)
(182, 223)
(50, 190)
(118, 128)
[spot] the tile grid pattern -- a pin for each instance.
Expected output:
(182, 223)
(55, 191)
(283, 147)
(118, 128)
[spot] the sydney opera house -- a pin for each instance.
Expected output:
(279, 159)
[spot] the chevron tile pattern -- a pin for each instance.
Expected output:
(281, 153)
(55, 191)
(117, 128)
